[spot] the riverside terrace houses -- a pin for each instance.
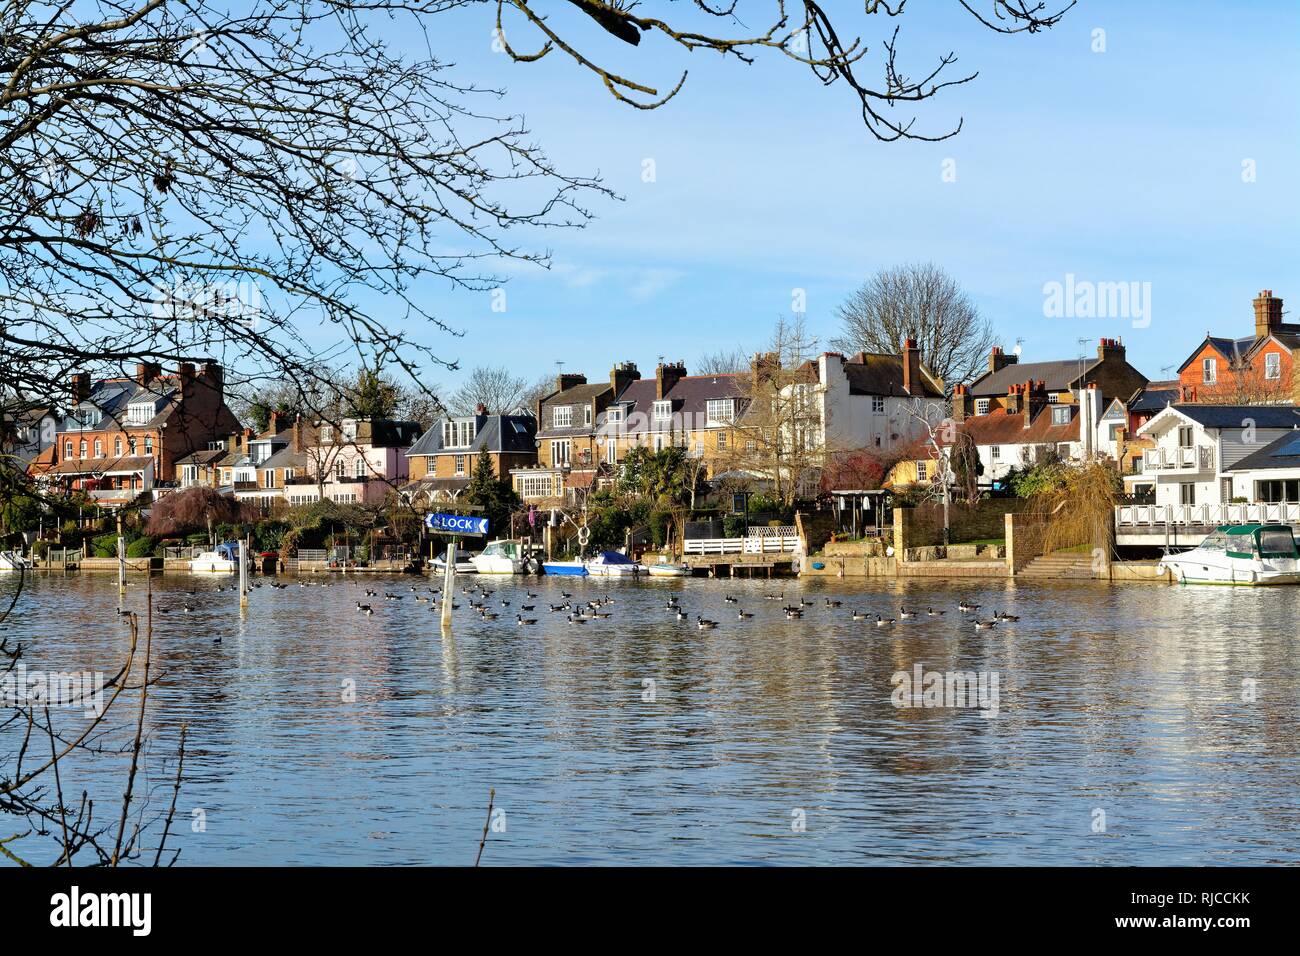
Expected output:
(1199, 446)
(26, 433)
(1258, 368)
(1118, 432)
(123, 436)
(694, 412)
(570, 453)
(445, 456)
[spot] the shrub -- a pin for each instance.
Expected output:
(140, 547)
(104, 546)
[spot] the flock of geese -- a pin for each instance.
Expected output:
(491, 607)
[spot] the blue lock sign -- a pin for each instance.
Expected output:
(456, 524)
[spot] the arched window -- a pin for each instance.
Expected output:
(340, 468)
(361, 468)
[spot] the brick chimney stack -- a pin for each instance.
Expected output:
(911, 367)
(273, 425)
(296, 443)
(79, 387)
(1268, 313)
(961, 403)
(666, 376)
(1035, 399)
(622, 375)
(999, 360)
(567, 380)
(1110, 348)
(1014, 402)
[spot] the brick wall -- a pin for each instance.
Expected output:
(923, 525)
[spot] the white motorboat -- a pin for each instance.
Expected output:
(224, 560)
(505, 556)
(663, 568)
(612, 564)
(1249, 555)
(464, 563)
(13, 561)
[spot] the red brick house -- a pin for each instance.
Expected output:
(1252, 370)
(124, 436)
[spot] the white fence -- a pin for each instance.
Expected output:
(780, 540)
(1206, 515)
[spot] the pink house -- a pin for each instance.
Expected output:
(361, 459)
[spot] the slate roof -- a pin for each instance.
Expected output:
(85, 466)
(1057, 376)
(577, 396)
(204, 457)
(690, 397)
(1234, 416)
(112, 396)
(1155, 397)
(1283, 452)
(496, 433)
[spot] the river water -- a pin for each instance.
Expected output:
(1124, 731)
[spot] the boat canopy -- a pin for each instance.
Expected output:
(612, 557)
(229, 550)
(1266, 540)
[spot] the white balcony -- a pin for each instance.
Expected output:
(1207, 515)
(1199, 458)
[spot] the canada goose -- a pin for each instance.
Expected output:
(861, 616)
(530, 594)
(830, 603)
(985, 625)
(601, 614)
(904, 613)
(705, 625)
(883, 621)
(523, 620)
(741, 615)
(505, 603)
(803, 603)
(793, 614)
(576, 620)
(682, 615)
(527, 607)
(217, 639)
(566, 595)
(965, 606)
(1003, 616)
(421, 597)
(729, 599)
(488, 615)
(933, 613)
(775, 597)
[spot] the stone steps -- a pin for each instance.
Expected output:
(1071, 565)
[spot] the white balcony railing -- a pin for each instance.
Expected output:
(1207, 515)
(1198, 458)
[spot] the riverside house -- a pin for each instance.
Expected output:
(1199, 446)
(444, 458)
(1258, 368)
(570, 457)
(124, 436)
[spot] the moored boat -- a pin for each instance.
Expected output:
(13, 561)
(564, 567)
(1249, 555)
(667, 569)
(223, 560)
(613, 564)
(464, 563)
(504, 556)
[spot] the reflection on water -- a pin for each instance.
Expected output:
(1125, 699)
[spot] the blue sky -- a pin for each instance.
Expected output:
(1124, 165)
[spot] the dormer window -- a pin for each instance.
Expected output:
(1061, 415)
(349, 430)
(562, 416)
(86, 416)
(139, 413)
(663, 410)
(614, 414)
(327, 434)
(720, 411)
(459, 433)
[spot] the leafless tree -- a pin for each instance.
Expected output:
(496, 388)
(777, 435)
(922, 302)
(723, 362)
(801, 31)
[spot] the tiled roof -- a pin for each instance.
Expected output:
(100, 466)
(1004, 428)
(1057, 376)
(579, 396)
(873, 373)
(205, 457)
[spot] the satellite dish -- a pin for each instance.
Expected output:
(1017, 350)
